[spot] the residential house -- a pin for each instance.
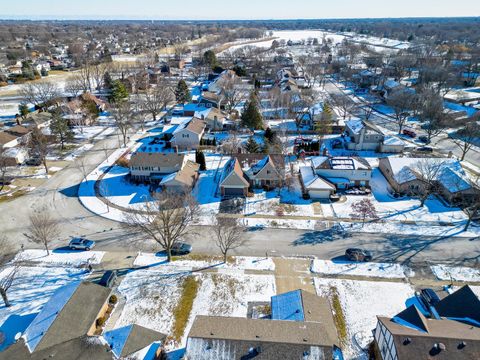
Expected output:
(362, 136)
(66, 327)
(301, 327)
(213, 117)
(152, 167)
(210, 99)
(343, 172)
(187, 135)
(234, 182)
(183, 180)
(263, 171)
(452, 331)
(315, 186)
(408, 175)
(216, 85)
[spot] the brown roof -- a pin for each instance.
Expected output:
(235, 168)
(157, 159)
(5, 138)
(211, 96)
(187, 174)
(260, 330)
(196, 125)
(18, 130)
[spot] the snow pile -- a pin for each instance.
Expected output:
(383, 270)
(361, 302)
(444, 272)
(61, 257)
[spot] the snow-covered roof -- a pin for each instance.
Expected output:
(450, 174)
(318, 160)
(311, 181)
(355, 125)
(392, 140)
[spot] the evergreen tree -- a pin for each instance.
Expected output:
(251, 146)
(23, 110)
(119, 92)
(200, 159)
(210, 58)
(107, 81)
(182, 94)
(44, 72)
(27, 70)
(270, 135)
(60, 128)
(251, 116)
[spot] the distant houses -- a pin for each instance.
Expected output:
(362, 136)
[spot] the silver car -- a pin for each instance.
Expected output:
(81, 244)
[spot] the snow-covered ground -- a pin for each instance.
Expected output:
(455, 273)
(239, 262)
(61, 257)
(361, 302)
(341, 267)
(32, 288)
(152, 295)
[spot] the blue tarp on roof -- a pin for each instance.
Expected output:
(288, 306)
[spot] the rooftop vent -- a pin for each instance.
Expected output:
(462, 345)
(407, 341)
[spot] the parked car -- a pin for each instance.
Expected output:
(410, 132)
(181, 248)
(429, 297)
(108, 278)
(81, 244)
(33, 161)
(425, 149)
(354, 254)
(423, 139)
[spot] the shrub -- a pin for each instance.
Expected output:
(123, 162)
(113, 299)
(101, 321)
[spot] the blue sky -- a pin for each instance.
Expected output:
(235, 9)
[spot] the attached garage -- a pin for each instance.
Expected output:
(228, 191)
(234, 183)
(315, 186)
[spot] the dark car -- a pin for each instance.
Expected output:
(423, 139)
(429, 297)
(181, 248)
(354, 254)
(81, 244)
(33, 161)
(108, 278)
(409, 132)
(425, 149)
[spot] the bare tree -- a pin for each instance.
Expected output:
(165, 219)
(123, 116)
(7, 281)
(471, 207)
(228, 235)
(81, 165)
(157, 99)
(38, 146)
(3, 167)
(343, 103)
(401, 102)
(40, 93)
(427, 171)
(465, 137)
(434, 120)
(364, 209)
(42, 228)
(233, 91)
(73, 87)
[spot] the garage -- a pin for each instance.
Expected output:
(228, 191)
(315, 186)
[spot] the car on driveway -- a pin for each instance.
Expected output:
(429, 297)
(108, 278)
(354, 254)
(81, 244)
(425, 149)
(181, 248)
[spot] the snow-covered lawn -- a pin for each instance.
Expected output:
(383, 270)
(91, 132)
(61, 257)
(361, 302)
(278, 204)
(151, 260)
(79, 151)
(455, 273)
(32, 288)
(152, 295)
